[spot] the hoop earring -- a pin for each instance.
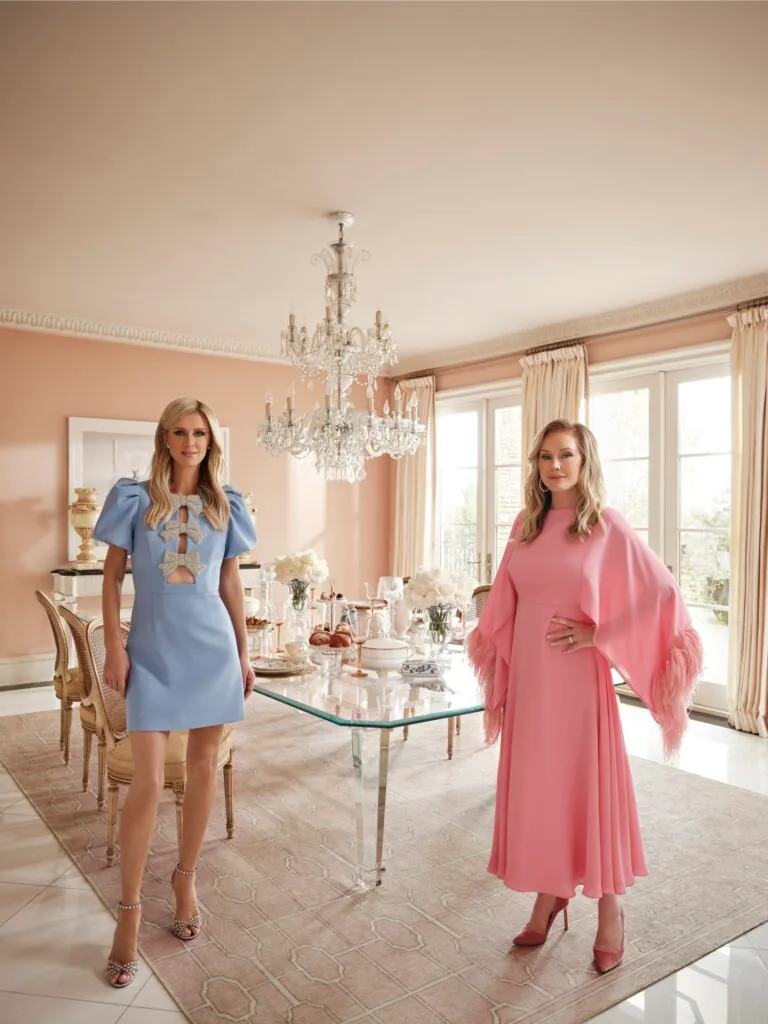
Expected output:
(543, 487)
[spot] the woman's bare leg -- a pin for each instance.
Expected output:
(202, 755)
(137, 827)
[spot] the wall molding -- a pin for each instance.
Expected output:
(77, 327)
(26, 668)
(722, 297)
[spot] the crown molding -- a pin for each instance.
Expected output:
(721, 297)
(75, 327)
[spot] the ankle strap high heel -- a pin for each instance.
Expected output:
(114, 969)
(193, 924)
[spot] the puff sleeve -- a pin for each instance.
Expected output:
(118, 517)
(241, 535)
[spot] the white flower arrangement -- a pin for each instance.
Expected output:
(304, 566)
(429, 588)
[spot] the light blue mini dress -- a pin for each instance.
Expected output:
(185, 669)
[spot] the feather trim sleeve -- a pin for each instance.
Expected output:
(489, 644)
(642, 625)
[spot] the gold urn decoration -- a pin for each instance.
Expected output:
(83, 515)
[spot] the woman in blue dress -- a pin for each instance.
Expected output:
(186, 665)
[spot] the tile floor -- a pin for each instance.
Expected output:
(60, 930)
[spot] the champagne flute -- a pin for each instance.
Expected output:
(360, 626)
(279, 623)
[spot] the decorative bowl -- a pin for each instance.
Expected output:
(385, 654)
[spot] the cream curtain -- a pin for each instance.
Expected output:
(554, 387)
(748, 669)
(415, 486)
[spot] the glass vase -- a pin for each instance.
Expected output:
(440, 619)
(297, 617)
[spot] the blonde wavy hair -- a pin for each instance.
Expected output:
(215, 502)
(591, 486)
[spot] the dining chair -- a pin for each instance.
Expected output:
(110, 714)
(88, 721)
(67, 679)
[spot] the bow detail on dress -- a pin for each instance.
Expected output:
(172, 560)
(189, 501)
(173, 529)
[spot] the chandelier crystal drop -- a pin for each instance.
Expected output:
(338, 435)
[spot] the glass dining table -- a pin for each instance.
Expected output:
(370, 708)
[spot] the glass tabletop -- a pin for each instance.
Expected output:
(379, 702)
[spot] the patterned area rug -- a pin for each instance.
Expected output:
(286, 941)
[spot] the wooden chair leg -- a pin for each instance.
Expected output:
(229, 785)
(67, 729)
(114, 793)
(178, 790)
(451, 730)
(458, 725)
(62, 722)
(102, 769)
(87, 741)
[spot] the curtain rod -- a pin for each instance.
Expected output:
(553, 347)
(752, 304)
(723, 310)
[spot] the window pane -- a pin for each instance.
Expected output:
(626, 485)
(705, 491)
(457, 434)
(620, 420)
(704, 418)
(509, 435)
(458, 497)
(508, 498)
(713, 628)
(705, 567)
(458, 549)
(502, 536)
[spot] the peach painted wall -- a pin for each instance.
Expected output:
(700, 330)
(46, 378)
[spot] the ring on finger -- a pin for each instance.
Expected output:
(571, 639)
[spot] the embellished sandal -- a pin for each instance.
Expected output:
(114, 969)
(194, 924)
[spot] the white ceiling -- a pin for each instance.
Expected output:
(511, 166)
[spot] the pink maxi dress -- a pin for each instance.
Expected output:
(565, 805)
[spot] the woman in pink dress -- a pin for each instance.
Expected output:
(577, 592)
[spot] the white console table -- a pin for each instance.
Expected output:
(70, 583)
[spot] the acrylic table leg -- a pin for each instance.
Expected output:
(451, 731)
(370, 761)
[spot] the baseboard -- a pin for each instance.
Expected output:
(26, 668)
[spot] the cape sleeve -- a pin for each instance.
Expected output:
(642, 625)
(241, 535)
(489, 644)
(117, 520)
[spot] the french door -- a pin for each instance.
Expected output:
(479, 459)
(665, 444)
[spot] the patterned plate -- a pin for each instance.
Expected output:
(281, 667)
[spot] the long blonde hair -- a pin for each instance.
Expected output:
(215, 502)
(591, 486)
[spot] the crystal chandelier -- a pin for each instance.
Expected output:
(340, 436)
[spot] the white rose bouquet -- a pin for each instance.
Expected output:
(298, 572)
(439, 592)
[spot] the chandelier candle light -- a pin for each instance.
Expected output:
(338, 435)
